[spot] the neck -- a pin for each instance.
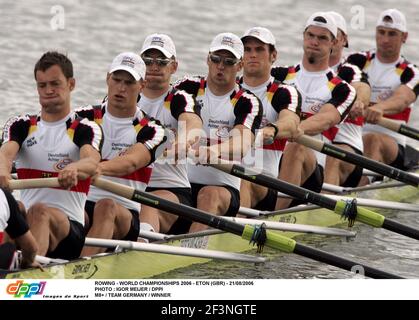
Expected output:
(335, 59)
(318, 65)
(53, 117)
(152, 93)
(388, 59)
(220, 90)
(256, 81)
(122, 112)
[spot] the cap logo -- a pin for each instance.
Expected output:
(157, 41)
(388, 19)
(254, 32)
(128, 61)
(320, 19)
(228, 41)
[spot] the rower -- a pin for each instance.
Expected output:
(326, 101)
(14, 224)
(394, 85)
(281, 115)
(230, 117)
(349, 132)
(55, 143)
(179, 113)
(132, 142)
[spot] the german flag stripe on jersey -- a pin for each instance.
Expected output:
(236, 97)
(168, 100)
(98, 115)
(292, 72)
(400, 67)
(138, 125)
(271, 91)
(333, 83)
(202, 85)
(33, 124)
(70, 131)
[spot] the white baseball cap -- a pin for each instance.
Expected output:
(130, 62)
(228, 41)
(161, 42)
(340, 22)
(324, 20)
(261, 34)
(392, 18)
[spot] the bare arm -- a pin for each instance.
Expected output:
(29, 247)
(239, 143)
(82, 169)
(402, 97)
(8, 152)
(327, 117)
(363, 92)
(287, 124)
(136, 157)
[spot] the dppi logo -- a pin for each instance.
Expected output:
(27, 290)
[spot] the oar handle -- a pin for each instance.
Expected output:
(399, 128)
(310, 142)
(34, 183)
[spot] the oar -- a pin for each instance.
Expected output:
(372, 203)
(359, 160)
(339, 206)
(399, 128)
(293, 227)
(34, 183)
(255, 235)
(180, 251)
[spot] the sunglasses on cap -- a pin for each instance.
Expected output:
(161, 62)
(227, 61)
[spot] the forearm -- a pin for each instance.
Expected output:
(189, 128)
(29, 248)
(287, 124)
(363, 92)
(138, 156)
(393, 105)
(236, 146)
(316, 124)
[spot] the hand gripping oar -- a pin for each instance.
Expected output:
(256, 235)
(347, 209)
(399, 128)
(359, 160)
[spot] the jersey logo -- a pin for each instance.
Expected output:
(60, 165)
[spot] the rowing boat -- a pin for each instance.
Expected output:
(136, 264)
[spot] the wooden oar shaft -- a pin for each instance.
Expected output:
(34, 183)
(381, 168)
(399, 128)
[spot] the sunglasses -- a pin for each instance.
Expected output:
(161, 62)
(227, 61)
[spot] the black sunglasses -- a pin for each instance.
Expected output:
(162, 62)
(227, 61)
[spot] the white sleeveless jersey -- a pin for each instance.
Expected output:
(350, 130)
(219, 115)
(384, 78)
(318, 89)
(45, 149)
(274, 97)
(167, 110)
(119, 135)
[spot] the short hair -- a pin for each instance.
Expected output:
(52, 58)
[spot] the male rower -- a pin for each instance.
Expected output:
(349, 132)
(394, 88)
(179, 113)
(14, 224)
(326, 101)
(281, 114)
(132, 142)
(54, 143)
(230, 117)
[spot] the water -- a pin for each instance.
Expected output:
(93, 32)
